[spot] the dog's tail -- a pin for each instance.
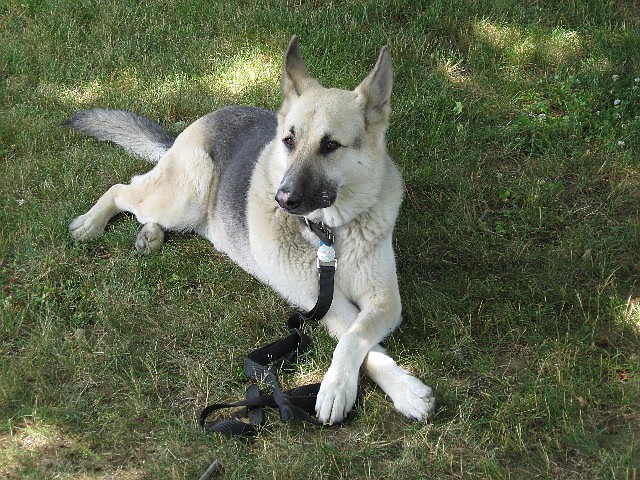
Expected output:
(136, 134)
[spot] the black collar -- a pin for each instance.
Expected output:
(322, 231)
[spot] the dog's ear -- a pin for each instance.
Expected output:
(295, 76)
(376, 89)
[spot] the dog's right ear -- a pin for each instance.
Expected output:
(295, 76)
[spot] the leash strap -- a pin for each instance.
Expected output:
(262, 364)
(325, 297)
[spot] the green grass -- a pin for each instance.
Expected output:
(518, 242)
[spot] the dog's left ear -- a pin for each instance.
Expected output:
(376, 89)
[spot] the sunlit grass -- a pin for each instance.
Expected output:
(530, 46)
(245, 71)
(78, 96)
(237, 76)
(454, 71)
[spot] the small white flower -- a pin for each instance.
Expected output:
(637, 80)
(615, 77)
(598, 112)
(617, 101)
(20, 202)
(621, 143)
(542, 116)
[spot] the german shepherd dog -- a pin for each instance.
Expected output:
(246, 179)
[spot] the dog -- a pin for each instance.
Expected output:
(246, 178)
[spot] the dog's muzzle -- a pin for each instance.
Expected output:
(298, 203)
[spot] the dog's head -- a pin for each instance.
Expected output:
(331, 142)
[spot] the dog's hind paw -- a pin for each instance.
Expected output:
(83, 229)
(413, 399)
(150, 238)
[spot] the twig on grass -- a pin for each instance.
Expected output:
(213, 471)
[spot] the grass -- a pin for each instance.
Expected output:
(518, 242)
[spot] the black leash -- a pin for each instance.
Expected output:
(263, 363)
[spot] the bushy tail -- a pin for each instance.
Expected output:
(138, 135)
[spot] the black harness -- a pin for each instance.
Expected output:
(262, 364)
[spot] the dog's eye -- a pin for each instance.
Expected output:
(329, 146)
(289, 142)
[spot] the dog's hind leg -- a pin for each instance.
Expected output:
(92, 224)
(174, 195)
(150, 238)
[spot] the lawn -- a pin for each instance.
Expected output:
(516, 126)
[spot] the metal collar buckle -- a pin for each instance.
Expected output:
(326, 252)
(323, 232)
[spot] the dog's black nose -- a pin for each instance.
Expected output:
(288, 200)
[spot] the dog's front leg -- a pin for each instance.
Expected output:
(409, 395)
(378, 317)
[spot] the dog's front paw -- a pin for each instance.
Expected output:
(83, 229)
(412, 398)
(336, 396)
